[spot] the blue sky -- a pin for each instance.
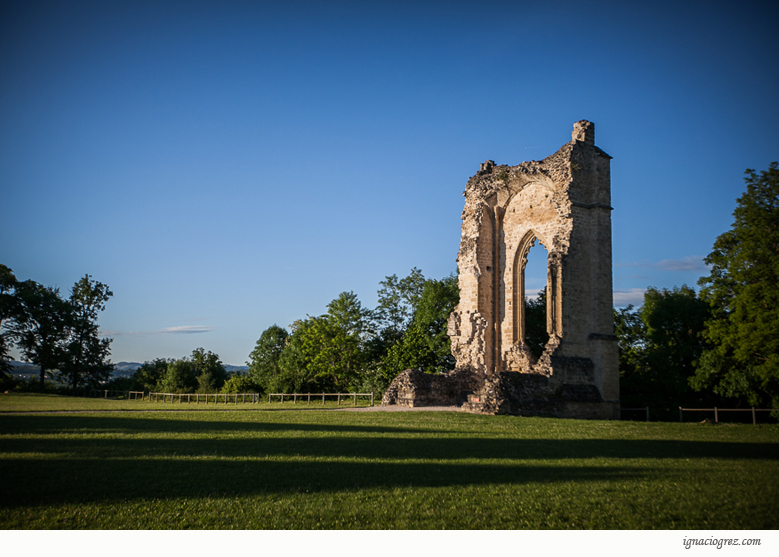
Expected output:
(224, 166)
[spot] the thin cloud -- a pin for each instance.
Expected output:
(688, 263)
(180, 330)
(634, 296)
(186, 330)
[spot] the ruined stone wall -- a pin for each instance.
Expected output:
(563, 202)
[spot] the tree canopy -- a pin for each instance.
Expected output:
(84, 355)
(660, 345)
(742, 290)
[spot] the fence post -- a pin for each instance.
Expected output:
(680, 414)
(323, 399)
(371, 398)
(339, 399)
(716, 416)
(754, 418)
(309, 398)
(294, 398)
(355, 399)
(647, 413)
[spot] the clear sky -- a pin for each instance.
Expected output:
(224, 166)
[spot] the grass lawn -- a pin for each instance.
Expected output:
(263, 467)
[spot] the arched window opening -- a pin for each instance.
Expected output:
(535, 326)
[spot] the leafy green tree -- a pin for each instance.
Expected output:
(149, 376)
(631, 332)
(398, 299)
(743, 292)
(239, 383)
(660, 346)
(9, 312)
(325, 352)
(41, 326)
(536, 335)
(209, 370)
(334, 341)
(426, 345)
(264, 360)
(180, 377)
(296, 374)
(84, 355)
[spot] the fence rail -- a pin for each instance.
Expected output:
(718, 410)
(308, 396)
(197, 398)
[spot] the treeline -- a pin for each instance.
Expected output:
(58, 334)
(350, 348)
(203, 372)
(721, 345)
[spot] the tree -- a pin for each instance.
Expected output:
(9, 312)
(239, 383)
(264, 359)
(536, 335)
(660, 345)
(426, 345)
(149, 376)
(743, 292)
(334, 340)
(179, 377)
(209, 370)
(296, 375)
(84, 355)
(398, 300)
(631, 333)
(41, 326)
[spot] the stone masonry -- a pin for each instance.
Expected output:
(563, 202)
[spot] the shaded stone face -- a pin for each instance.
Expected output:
(563, 202)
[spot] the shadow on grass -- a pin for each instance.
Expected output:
(124, 458)
(53, 481)
(85, 424)
(388, 447)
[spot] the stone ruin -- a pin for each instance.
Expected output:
(563, 202)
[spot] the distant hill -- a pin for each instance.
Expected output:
(125, 369)
(22, 369)
(121, 369)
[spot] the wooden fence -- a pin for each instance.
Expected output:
(218, 398)
(105, 393)
(718, 410)
(197, 398)
(307, 396)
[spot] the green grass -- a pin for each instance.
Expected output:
(309, 469)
